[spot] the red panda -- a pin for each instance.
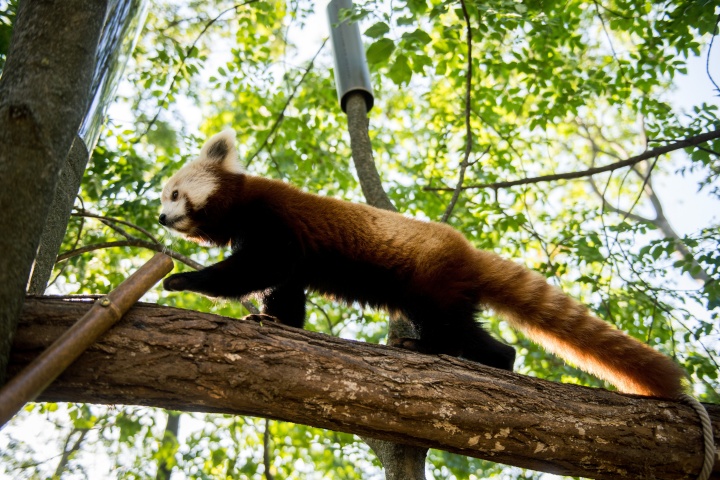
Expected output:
(285, 241)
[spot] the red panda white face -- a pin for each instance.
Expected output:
(190, 188)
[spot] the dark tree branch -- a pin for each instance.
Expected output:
(660, 221)
(707, 61)
(70, 450)
(130, 243)
(678, 145)
(266, 451)
(156, 247)
(169, 440)
(609, 40)
(104, 219)
(190, 361)
(75, 245)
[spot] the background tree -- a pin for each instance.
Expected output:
(556, 87)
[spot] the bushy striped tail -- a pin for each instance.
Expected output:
(566, 328)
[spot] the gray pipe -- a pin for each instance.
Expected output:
(351, 70)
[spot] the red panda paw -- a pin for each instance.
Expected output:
(175, 283)
(261, 317)
(406, 343)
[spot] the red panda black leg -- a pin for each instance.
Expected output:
(479, 346)
(458, 334)
(287, 303)
(235, 277)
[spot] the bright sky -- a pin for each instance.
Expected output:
(686, 209)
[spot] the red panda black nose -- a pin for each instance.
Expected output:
(162, 219)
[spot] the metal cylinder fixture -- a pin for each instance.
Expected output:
(351, 70)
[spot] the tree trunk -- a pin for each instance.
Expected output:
(58, 216)
(124, 20)
(169, 442)
(43, 97)
(362, 154)
(185, 360)
(405, 462)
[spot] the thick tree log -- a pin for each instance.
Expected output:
(184, 360)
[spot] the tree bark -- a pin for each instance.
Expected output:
(190, 361)
(59, 216)
(362, 154)
(405, 462)
(44, 92)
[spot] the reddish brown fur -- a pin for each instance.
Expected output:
(523, 297)
(565, 327)
(286, 241)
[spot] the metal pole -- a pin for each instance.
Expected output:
(351, 70)
(35, 378)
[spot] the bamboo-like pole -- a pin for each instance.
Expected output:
(36, 377)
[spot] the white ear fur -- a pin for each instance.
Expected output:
(220, 150)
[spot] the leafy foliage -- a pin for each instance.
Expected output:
(8, 11)
(558, 86)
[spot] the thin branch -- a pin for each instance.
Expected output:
(75, 245)
(680, 144)
(707, 61)
(118, 229)
(606, 204)
(610, 42)
(660, 221)
(130, 243)
(266, 451)
(468, 130)
(169, 440)
(642, 189)
(290, 98)
(85, 213)
(615, 12)
(331, 325)
(710, 151)
(68, 453)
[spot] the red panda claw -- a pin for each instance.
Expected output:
(261, 317)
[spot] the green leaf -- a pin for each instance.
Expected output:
(380, 51)
(377, 30)
(400, 72)
(419, 62)
(418, 37)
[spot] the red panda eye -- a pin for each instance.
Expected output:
(174, 195)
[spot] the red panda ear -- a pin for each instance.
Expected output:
(220, 150)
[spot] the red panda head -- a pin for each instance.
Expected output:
(187, 196)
